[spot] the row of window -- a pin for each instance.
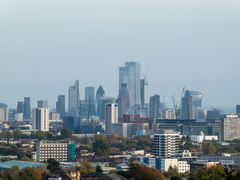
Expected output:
(64, 145)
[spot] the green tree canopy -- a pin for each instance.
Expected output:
(53, 165)
(99, 168)
(17, 133)
(6, 134)
(66, 132)
(101, 148)
(29, 173)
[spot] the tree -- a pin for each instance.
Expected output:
(144, 172)
(29, 173)
(66, 133)
(99, 169)
(188, 139)
(101, 148)
(16, 167)
(6, 134)
(101, 136)
(38, 135)
(53, 165)
(184, 138)
(26, 159)
(17, 133)
(86, 167)
(172, 171)
(210, 149)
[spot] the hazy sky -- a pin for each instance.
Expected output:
(45, 45)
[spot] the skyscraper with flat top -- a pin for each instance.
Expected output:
(155, 106)
(40, 119)
(73, 99)
(20, 107)
(60, 105)
(89, 94)
(111, 111)
(130, 75)
(42, 104)
(27, 109)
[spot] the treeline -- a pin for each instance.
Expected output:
(103, 145)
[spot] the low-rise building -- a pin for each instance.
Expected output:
(59, 150)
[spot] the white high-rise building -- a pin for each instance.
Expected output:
(73, 99)
(40, 119)
(3, 114)
(111, 114)
(166, 144)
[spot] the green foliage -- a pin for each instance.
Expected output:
(26, 159)
(172, 171)
(144, 172)
(209, 149)
(184, 138)
(189, 146)
(38, 135)
(101, 136)
(6, 134)
(101, 148)
(25, 141)
(66, 133)
(85, 140)
(86, 167)
(17, 133)
(29, 173)
(16, 167)
(53, 165)
(98, 169)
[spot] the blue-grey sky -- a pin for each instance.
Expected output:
(45, 45)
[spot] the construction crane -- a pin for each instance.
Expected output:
(145, 74)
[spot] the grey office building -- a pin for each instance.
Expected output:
(60, 106)
(102, 101)
(89, 94)
(130, 75)
(144, 97)
(27, 109)
(42, 104)
(20, 107)
(187, 108)
(123, 100)
(3, 105)
(154, 106)
(73, 99)
(237, 109)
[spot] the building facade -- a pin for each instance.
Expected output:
(73, 123)
(230, 128)
(187, 108)
(3, 114)
(166, 144)
(111, 112)
(73, 99)
(89, 94)
(20, 107)
(130, 75)
(40, 119)
(196, 98)
(27, 109)
(58, 150)
(154, 106)
(102, 101)
(60, 106)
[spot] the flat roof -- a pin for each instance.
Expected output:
(21, 164)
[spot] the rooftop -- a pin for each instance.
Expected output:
(21, 164)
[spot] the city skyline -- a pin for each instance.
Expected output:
(181, 45)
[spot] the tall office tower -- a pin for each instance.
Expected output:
(73, 123)
(101, 105)
(130, 75)
(3, 105)
(3, 114)
(42, 104)
(237, 109)
(40, 119)
(111, 111)
(154, 106)
(54, 116)
(123, 100)
(89, 94)
(100, 93)
(166, 143)
(199, 114)
(187, 108)
(144, 97)
(196, 98)
(27, 109)
(73, 99)
(59, 150)
(60, 105)
(20, 107)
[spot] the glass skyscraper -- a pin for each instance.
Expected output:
(130, 75)
(89, 94)
(73, 99)
(60, 105)
(196, 97)
(73, 123)
(27, 108)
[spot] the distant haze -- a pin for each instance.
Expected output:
(46, 45)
